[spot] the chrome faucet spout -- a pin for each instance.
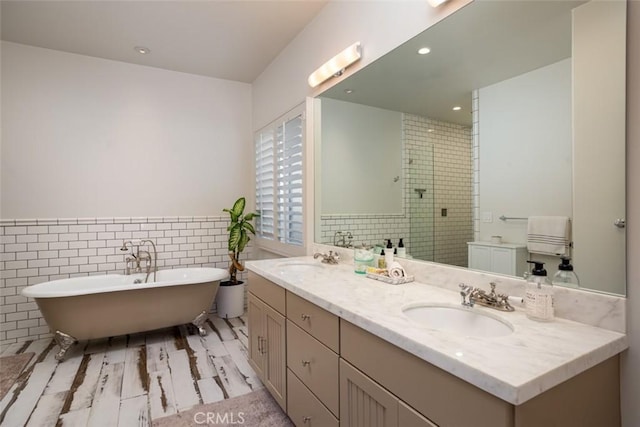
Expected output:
(491, 299)
(331, 258)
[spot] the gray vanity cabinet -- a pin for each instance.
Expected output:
(267, 336)
(325, 371)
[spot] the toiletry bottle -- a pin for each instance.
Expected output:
(565, 276)
(402, 251)
(538, 300)
(388, 256)
(388, 253)
(382, 263)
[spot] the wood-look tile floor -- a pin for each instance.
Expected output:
(129, 381)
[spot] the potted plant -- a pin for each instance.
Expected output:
(230, 297)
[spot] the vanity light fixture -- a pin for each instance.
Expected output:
(142, 50)
(336, 65)
(436, 3)
(457, 108)
(424, 50)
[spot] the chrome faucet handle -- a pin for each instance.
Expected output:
(330, 258)
(466, 292)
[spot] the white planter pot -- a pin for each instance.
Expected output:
(230, 301)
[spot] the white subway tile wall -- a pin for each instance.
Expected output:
(437, 158)
(475, 111)
(39, 250)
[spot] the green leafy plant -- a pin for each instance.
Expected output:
(239, 230)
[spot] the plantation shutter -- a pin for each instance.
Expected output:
(265, 184)
(289, 181)
(279, 156)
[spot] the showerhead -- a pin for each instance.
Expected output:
(124, 245)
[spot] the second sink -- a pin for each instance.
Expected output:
(457, 320)
(299, 266)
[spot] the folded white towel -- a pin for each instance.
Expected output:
(549, 235)
(395, 270)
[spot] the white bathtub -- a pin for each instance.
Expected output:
(104, 306)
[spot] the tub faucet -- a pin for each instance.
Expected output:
(137, 256)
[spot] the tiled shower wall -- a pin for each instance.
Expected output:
(438, 158)
(453, 192)
(419, 138)
(35, 251)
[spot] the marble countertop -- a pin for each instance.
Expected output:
(534, 358)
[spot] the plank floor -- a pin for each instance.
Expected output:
(131, 380)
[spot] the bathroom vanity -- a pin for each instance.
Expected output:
(334, 348)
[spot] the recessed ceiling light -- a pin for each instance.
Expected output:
(429, 130)
(348, 91)
(142, 50)
(457, 108)
(424, 50)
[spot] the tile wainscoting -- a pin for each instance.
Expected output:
(39, 250)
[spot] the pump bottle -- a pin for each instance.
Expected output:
(538, 301)
(565, 275)
(402, 251)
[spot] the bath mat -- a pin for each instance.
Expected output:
(256, 409)
(10, 369)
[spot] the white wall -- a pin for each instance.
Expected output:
(89, 137)
(630, 368)
(525, 149)
(361, 144)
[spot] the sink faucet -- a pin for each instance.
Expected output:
(137, 256)
(491, 299)
(331, 258)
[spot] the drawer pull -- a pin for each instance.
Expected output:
(306, 363)
(306, 419)
(305, 316)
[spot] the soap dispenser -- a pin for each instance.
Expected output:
(538, 301)
(565, 276)
(388, 254)
(402, 251)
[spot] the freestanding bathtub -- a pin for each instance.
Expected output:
(92, 307)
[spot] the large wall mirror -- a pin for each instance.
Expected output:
(517, 110)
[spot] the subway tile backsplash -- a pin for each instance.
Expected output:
(39, 250)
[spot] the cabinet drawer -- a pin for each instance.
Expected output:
(318, 322)
(268, 292)
(314, 364)
(304, 408)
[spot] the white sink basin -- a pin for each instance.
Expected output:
(299, 266)
(457, 320)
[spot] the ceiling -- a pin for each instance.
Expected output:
(483, 43)
(234, 40)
